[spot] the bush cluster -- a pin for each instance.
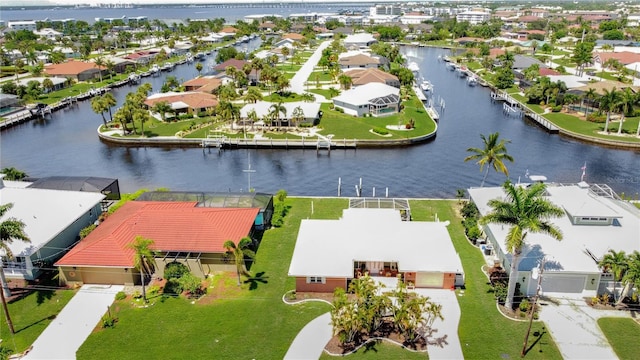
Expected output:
(280, 209)
(470, 216)
(380, 131)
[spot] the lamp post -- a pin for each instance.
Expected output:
(535, 274)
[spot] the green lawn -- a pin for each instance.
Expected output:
(288, 66)
(523, 99)
(579, 126)
(323, 76)
(156, 127)
(324, 92)
(345, 126)
(484, 332)
(623, 335)
(31, 315)
(254, 324)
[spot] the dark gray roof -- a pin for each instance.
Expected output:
(72, 183)
(523, 62)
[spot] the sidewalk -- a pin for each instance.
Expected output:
(574, 327)
(311, 340)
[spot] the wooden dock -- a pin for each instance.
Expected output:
(536, 118)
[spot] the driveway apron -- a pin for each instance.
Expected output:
(311, 340)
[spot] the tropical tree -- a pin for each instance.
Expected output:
(588, 95)
(492, 155)
(333, 92)
(609, 101)
(240, 252)
(524, 210)
(144, 259)
(199, 67)
(13, 174)
(253, 95)
(275, 110)
(10, 229)
(628, 100)
(162, 108)
(98, 107)
(47, 84)
(109, 102)
(413, 314)
(99, 62)
(632, 275)
(308, 97)
(345, 81)
(297, 116)
(615, 263)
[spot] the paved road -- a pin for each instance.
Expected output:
(298, 80)
(311, 340)
(62, 338)
(573, 325)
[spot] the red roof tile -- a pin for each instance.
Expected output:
(71, 67)
(238, 64)
(547, 72)
(174, 226)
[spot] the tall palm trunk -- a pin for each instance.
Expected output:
(621, 122)
(624, 293)
(3, 282)
(606, 123)
(511, 289)
(485, 176)
(144, 291)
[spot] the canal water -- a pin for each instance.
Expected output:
(67, 144)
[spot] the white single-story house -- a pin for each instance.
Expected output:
(374, 98)
(311, 110)
(330, 253)
(571, 81)
(595, 221)
(359, 40)
(58, 82)
(53, 220)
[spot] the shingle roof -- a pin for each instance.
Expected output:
(173, 226)
(358, 59)
(195, 100)
(365, 76)
(231, 62)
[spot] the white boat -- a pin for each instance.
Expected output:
(155, 69)
(413, 66)
(472, 81)
(451, 66)
(134, 78)
(167, 66)
(462, 71)
(426, 86)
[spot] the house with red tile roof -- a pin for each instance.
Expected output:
(293, 36)
(182, 231)
(78, 70)
(185, 102)
(624, 57)
(359, 61)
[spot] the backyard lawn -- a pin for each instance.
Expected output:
(31, 315)
(579, 126)
(623, 335)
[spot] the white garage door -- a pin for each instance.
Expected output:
(430, 280)
(563, 283)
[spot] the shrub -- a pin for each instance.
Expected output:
(185, 116)
(597, 118)
(175, 270)
(87, 230)
(121, 295)
(202, 114)
(556, 108)
(153, 290)
(137, 294)
(339, 109)
(380, 131)
(192, 284)
(595, 300)
(500, 292)
(474, 233)
(525, 305)
(173, 286)
(497, 275)
(469, 210)
(605, 298)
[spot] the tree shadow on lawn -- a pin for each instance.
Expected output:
(50, 317)
(254, 280)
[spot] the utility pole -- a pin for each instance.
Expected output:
(536, 273)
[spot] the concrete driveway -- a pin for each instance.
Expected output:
(62, 338)
(311, 340)
(298, 80)
(573, 325)
(444, 343)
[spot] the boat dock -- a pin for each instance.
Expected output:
(515, 104)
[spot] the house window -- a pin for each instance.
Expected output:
(315, 280)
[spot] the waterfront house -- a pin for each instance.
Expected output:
(329, 254)
(48, 33)
(359, 40)
(206, 84)
(142, 57)
(595, 221)
(361, 77)
(186, 227)
(359, 61)
(373, 98)
(77, 70)
(234, 63)
(191, 102)
(58, 82)
(120, 65)
(310, 111)
(53, 219)
(182, 232)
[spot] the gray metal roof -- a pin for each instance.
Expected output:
(73, 183)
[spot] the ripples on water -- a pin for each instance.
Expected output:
(67, 145)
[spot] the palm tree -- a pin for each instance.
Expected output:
(308, 97)
(609, 101)
(48, 84)
(297, 116)
(276, 109)
(162, 108)
(614, 262)
(590, 94)
(627, 101)
(109, 102)
(98, 107)
(144, 259)
(10, 229)
(240, 253)
(632, 274)
(13, 174)
(493, 155)
(524, 210)
(253, 95)
(345, 81)
(99, 62)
